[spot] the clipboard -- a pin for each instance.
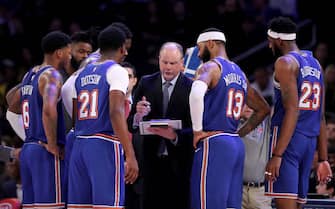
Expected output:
(161, 123)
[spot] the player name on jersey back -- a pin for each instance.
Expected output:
(310, 71)
(235, 78)
(27, 90)
(90, 79)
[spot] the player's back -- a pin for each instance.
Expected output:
(224, 103)
(32, 109)
(310, 94)
(92, 91)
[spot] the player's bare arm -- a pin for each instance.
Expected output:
(261, 109)
(210, 74)
(286, 71)
(14, 111)
(50, 84)
(13, 99)
(286, 74)
(117, 116)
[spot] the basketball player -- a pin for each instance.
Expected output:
(217, 97)
(298, 124)
(96, 175)
(38, 100)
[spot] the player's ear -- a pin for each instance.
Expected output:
(123, 49)
(59, 53)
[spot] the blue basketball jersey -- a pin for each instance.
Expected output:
(32, 108)
(191, 61)
(93, 100)
(310, 92)
(224, 103)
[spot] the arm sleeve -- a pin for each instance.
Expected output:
(197, 94)
(68, 93)
(117, 78)
(16, 122)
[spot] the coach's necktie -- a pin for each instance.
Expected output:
(162, 146)
(166, 96)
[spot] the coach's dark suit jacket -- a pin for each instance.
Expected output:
(170, 190)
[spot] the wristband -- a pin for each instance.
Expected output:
(321, 161)
(275, 155)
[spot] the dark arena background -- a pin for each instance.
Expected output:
(23, 23)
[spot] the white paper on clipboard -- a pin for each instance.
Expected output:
(144, 125)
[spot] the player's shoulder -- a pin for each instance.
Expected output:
(286, 59)
(115, 67)
(286, 62)
(51, 74)
(209, 66)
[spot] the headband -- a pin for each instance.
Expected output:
(211, 35)
(282, 36)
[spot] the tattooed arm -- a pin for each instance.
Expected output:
(50, 84)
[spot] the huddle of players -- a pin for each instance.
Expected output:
(96, 94)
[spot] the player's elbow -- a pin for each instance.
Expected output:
(50, 111)
(295, 111)
(116, 112)
(292, 111)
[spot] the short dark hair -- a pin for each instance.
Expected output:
(81, 36)
(111, 38)
(282, 25)
(124, 28)
(53, 41)
(128, 65)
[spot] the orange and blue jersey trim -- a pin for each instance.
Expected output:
(44, 205)
(106, 137)
(203, 177)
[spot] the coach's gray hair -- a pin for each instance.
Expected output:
(178, 46)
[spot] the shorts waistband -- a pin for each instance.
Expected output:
(253, 184)
(106, 137)
(40, 142)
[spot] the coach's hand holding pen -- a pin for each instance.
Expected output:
(142, 109)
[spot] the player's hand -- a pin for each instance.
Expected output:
(199, 135)
(272, 168)
(52, 148)
(143, 107)
(168, 132)
(324, 172)
(131, 168)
